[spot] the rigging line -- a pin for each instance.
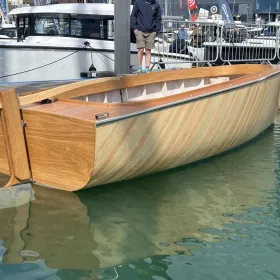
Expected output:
(103, 60)
(102, 54)
(39, 67)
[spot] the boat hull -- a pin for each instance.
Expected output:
(28, 64)
(183, 134)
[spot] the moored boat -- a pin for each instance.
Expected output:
(95, 132)
(66, 42)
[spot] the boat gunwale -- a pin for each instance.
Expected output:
(69, 91)
(262, 77)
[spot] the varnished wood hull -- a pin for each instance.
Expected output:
(182, 134)
(69, 149)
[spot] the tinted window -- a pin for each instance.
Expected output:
(88, 27)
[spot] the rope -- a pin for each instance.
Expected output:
(26, 71)
(39, 67)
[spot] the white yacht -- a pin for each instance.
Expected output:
(61, 41)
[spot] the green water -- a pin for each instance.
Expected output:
(216, 219)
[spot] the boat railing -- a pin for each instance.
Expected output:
(207, 42)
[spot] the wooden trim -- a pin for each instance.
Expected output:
(4, 165)
(14, 139)
(107, 84)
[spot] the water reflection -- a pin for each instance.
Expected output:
(166, 214)
(151, 215)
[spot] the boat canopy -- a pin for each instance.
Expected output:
(95, 9)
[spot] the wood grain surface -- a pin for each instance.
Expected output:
(179, 135)
(61, 149)
(12, 131)
(4, 165)
(68, 148)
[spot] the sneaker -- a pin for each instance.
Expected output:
(147, 70)
(139, 71)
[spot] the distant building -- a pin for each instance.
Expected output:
(244, 8)
(15, 2)
(268, 8)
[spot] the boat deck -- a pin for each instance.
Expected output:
(29, 87)
(88, 110)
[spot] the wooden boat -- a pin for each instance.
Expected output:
(100, 131)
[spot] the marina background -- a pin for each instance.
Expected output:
(246, 9)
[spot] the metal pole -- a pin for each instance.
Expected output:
(122, 36)
(110, 23)
(7, 8)
(166, 7)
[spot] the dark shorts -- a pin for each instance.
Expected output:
(145, 39)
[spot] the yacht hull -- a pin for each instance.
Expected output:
(28, 64)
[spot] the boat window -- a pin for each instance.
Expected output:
(23, 27)
(71, 25)
(88, 27)
(9, 32)
(51, 24)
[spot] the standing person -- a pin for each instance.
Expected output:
(182, 37)
(182, 33)
(146, 23)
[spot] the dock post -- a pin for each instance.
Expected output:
(12, 129)
(122, 36)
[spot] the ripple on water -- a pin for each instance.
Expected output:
(216, 219)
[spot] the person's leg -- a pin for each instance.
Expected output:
(140, 44)
(150, 43)
(140, 58)
(148, 58)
